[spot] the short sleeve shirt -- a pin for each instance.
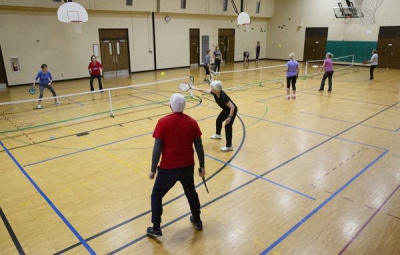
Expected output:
(328, 65)
(177, 131)
(222, 100)
(374, 59)
(292, 66)
(95, 67)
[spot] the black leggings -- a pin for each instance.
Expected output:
(371, 71)
(329, 76)
(207, 69)
(217, 65)
(228, 127)
(91, 82)
(292, 79)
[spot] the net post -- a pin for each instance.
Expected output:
(306, 69)
(111, 107)
(352, 60)
(191, 83)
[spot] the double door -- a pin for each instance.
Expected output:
(114, 47)
(315, 43)
(389, 47)
(226, 43)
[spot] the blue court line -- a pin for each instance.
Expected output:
(263, 178)
(286, 125)
(324, 117)
(313, 212)
(346, 99)
(352, 141)
(55, 209)
(87, 149)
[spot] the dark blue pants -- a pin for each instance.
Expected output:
(165, 180)
(371, 72)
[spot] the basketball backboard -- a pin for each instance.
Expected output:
(348, 12)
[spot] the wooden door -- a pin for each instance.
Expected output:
(315, 43)
(114, 47)
(226, 43)
(194, 40)
(3, 75)
(389, 47)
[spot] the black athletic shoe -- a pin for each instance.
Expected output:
(154, 232)
(197, 224)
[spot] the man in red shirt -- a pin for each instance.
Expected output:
(95, 70)
(174, 136)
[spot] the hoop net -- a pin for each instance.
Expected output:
(77, 25)
(247, 27)
(369, 8)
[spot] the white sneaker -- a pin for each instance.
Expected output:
(39, 106)
(216, 136)
(58, 102)
(293, 96)
(287, 97)
(224, 149)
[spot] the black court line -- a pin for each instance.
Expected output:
(164, 204)
(11, 233)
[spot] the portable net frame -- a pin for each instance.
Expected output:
(314, 66)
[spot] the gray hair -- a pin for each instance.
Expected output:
(291, 55)
(177, 102)
(217, 85)
(329, 55)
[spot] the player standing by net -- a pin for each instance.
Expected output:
(174, 136)
(228, 113)
(328, 67)
(292, 72)
(207, 66)
(217, 58)
(45, 80)
(258, 49)
(95, 71)
(374, 64)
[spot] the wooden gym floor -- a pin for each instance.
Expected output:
(315, 175)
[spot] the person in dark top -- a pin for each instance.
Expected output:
(228, 113)
(258, 49)
(174, 136)
(217, 59)
(246, 60)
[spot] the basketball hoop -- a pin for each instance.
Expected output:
(347, 19)
(247, 27)
(77, 25)
(74, 13)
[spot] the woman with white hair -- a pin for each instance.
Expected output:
(228, 113)
(174, 136)
(328, 67)
(292, 72)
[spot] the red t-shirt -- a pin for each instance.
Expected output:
(95, 67)
(177, 131)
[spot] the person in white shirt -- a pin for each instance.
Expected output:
(374, 64)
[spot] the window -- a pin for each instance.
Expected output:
(129, 2)
(258, 7)
(183, 4)
(225, 6)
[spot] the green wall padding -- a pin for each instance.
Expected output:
(360, 49)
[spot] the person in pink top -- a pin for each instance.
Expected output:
(328, 67)
(95, 70)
